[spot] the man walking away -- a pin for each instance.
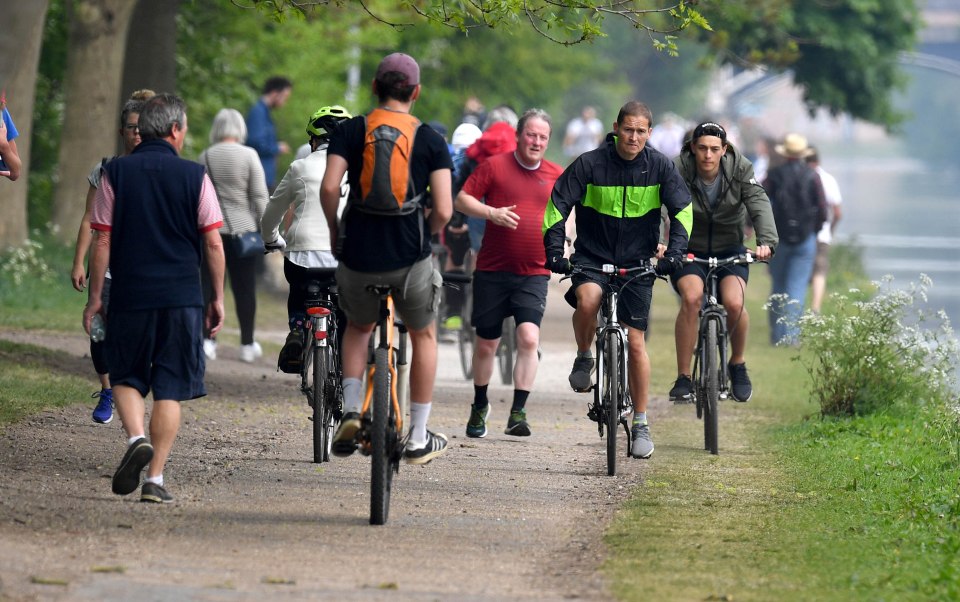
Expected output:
(155, 214)
(799, 209)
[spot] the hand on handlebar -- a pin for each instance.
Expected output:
(666, 266)
(276, 245)
(558, 264)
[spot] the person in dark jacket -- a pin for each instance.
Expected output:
(618, 190)
(725, 192)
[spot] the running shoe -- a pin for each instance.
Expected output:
(642, 446)
(435, 445)
(581, 377)
(345, 440)
(477, 425)
(517, 424)
(127, 477)
(151, 492)
(741, 387)
(103, 413)
(682, 391)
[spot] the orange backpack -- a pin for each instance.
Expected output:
(386, 184)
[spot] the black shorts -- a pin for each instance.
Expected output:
(159, 350)
(499, 295)
(698, 269)
(633, 304)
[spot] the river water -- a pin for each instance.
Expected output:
(906, 218)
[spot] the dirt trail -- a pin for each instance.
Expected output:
(495, 518)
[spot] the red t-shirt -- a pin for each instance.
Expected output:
(501, 181)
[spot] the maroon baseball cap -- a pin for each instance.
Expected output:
(401, 63)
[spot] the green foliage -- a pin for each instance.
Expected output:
(47, 116)
(868, 356)
(30, 382)
(843, 53)
(884, 504)
(35, 289)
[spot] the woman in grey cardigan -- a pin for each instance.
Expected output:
(237, 175)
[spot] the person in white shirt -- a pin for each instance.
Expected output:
(307, 248)
(584, 133)
(831, 190)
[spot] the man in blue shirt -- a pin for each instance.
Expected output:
(261, 133)
(9, 157)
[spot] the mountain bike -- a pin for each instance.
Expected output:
(611, 398)
(385, 404)
(321, 379)
(710, 357)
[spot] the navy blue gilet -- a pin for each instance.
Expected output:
(156, 245)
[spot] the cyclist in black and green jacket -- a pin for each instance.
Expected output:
(618, 190)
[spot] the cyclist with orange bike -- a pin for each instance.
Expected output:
(389, 250)
(725, 191)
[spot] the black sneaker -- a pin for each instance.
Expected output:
(155, 494)
(291, 356)
(477, 424)
(345, 441)
(581, 377)
(740, 385)
(435, 446)
(682, 391)
(127, 477)
(517, 424)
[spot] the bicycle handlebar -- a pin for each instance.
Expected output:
(742, 258)
(611, 270)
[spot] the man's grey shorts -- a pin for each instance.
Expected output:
(416, 293)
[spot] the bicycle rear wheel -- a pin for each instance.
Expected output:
(611, 398)
(711, 388)
(382, 443)
(507, 350)
(322, 423)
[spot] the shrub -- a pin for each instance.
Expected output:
(866, 356)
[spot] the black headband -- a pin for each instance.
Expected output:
(710, 129)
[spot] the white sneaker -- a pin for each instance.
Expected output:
(250, 353)
(210, 349)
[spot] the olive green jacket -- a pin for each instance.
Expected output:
(721, 228)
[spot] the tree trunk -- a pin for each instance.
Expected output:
(98, 36)
(22, 34)
(151, 60)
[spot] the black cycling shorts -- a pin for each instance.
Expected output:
(633, 304)
(499, 295)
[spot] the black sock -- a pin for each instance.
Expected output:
(519, 400)
(480, 396)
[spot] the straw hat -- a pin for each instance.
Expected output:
(794, 146)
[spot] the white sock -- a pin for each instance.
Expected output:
(352, 399)
(133, 439)
(157, 480)
(419, 413)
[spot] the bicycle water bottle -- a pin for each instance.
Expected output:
(98, 328)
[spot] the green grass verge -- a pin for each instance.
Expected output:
(29, 383)
(794, 507)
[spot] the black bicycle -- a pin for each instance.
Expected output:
(710, 358)
(612, 404)
(321, 378)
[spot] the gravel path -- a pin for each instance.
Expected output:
(495, 518)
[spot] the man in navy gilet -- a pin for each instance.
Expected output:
(155, 218)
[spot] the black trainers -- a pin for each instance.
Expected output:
(155, 494)
(517, 424)
(581, 377)
(477, 424)
(345, 441)
(740, 385)
(435, 446)
(291, 356)
(682, 391)
(127, 477)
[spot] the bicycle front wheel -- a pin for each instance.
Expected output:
(507, 350)
(611, 398)
(711, 388)
(382, 440)
(466, 339)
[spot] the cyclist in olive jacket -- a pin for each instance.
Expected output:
(618, 190)
(725, 191)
